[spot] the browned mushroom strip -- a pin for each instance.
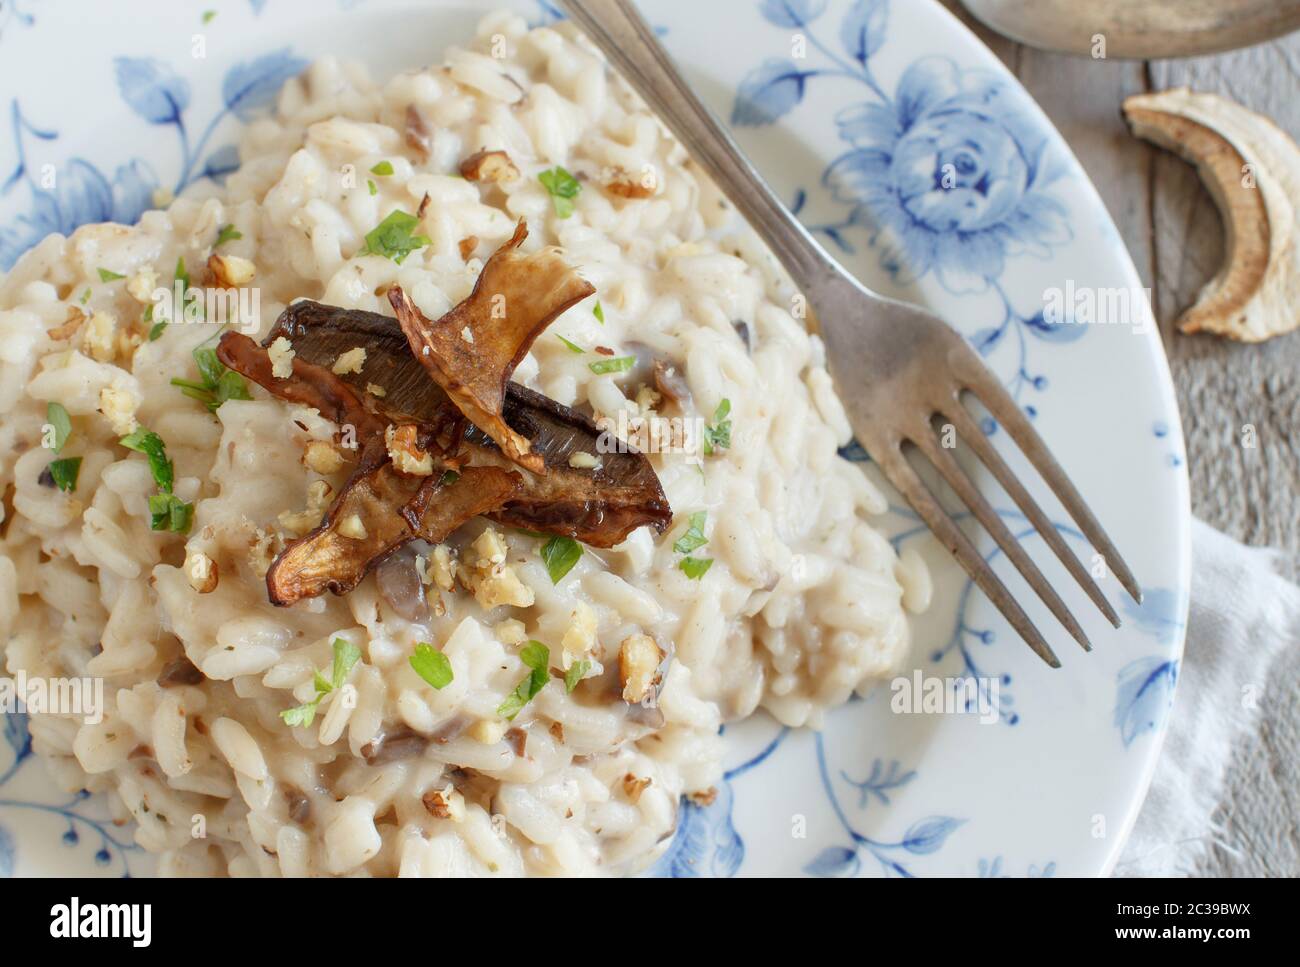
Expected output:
(311, 385)
(472, 350)
(599, 505)
(365, 525)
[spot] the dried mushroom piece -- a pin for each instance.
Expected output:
(1252, 169)
(378, 511)
(599, 506)
(472, 350)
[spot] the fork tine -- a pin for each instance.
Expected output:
(974, 438)
(966, 491)
(989, 391)
(901, 475)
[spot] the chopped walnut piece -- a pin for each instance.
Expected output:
(140, 286)
(704, 797)
(488, 731)
(404, 450)
(230, 271)
(625, 185)
(281, 355)
(557, 731)
(375, 390)
(350, 361)
(417, 132)
(492, 166)
(322, 457)
(318, 501)
(518, 741)
(638, 666)
(510, 632)
(580, 635)
(202, 572)
(100, 338)
(467, 246)
(351, 526)
(445, 803)
(582, 460)
(262, 550)
(634, 786)
(68, 328)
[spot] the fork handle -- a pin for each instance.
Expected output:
(628, 42)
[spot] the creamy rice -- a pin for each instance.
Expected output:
(802, 606)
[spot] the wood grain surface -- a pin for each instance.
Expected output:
(1174, 235)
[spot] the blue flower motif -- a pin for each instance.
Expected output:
(706, 842)
(1157, 615)
(82, 195)
(834, 861)
(952, 174)
(253, 85)
(768, 92)
(1145, 695)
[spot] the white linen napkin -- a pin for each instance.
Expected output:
(1244, 619)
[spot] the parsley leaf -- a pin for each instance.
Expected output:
(717, 435)
(694, 537)
(218, 383)
(618, 364)
(228, 233)
(374, 189)
(538, 658)
(106, 276)
(432, 665)
(208, 16)
(85, 297)
(64, 473)
(382, 169)
(151, 445)
(346, 655)
(562, 187)
(392, 237)
(167, 512)
(576, 673)
(559, 555)
(598, 312)
(695, 567)
(573, 346)
(56, 414)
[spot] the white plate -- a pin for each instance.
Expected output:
(842, 103)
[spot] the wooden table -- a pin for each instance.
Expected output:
(1174, 234)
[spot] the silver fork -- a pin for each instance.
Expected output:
(897, 368)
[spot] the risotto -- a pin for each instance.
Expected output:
(498, 699)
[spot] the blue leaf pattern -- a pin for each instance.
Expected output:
(221, 163)
(768, 92)
(706, 842)
(863, 30)
(152, 89)
(792, 13)
(1146, 693)
(17, 736)
(8, 854)
(254, 85)
(835, 861)
(1061, 331)
(928, 835)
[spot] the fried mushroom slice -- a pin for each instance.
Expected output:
(472, 350)
(379, 511)
(598, 505)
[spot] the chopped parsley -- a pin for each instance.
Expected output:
(107, 276)
(208, 16)
(695, 567)
(228, 233)
(560, 554)
(576, 673)
(598, 312)
(573, 346)
(717, 435)
(432, 665)
(189, 296)
(616, 364)
(538, 658)
(694, 537)
(374, 189)
(383, 169)
(346, 655)
(157, 328)
(64, 473)
(448, 478)
(85, 296)
(56, 415)
(167, 512)
(218, 383)
(562, 187)
(392, 237)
